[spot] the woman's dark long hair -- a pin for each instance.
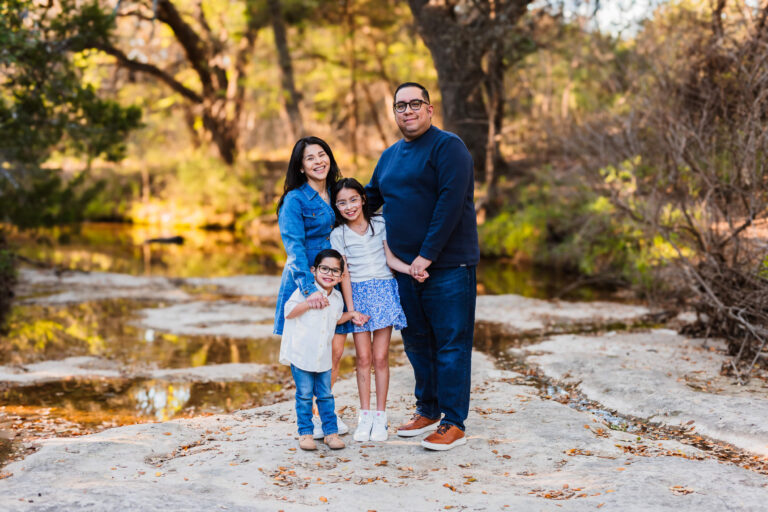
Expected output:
(294, 178)
(352, 184)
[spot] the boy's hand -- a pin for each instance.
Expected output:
(422, 277)
(359, 318)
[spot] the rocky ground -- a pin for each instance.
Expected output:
(635, 419)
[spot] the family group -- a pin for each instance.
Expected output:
(399, 253)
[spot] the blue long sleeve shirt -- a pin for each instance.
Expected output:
(427, 189)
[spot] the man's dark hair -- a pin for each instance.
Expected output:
(329, 253)
(424, 91)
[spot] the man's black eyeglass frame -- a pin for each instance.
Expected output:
(402, 106)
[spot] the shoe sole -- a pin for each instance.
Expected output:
(417, 431)
(442, 447)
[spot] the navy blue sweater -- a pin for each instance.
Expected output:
(427, 187)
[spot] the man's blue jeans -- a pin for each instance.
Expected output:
(438, 340)
(317, 384)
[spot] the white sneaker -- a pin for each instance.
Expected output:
(379, 429)
(364, 425)
(341, 426)
(317, 433)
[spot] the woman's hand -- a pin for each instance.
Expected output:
(318, 300)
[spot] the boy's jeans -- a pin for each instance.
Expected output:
(316, 384)
(438, 340)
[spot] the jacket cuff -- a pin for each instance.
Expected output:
(308, 289)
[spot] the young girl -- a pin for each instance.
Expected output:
(370, 291)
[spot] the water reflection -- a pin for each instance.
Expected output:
(106, 328)
(163, 401)
(120, 248)
(499, 276)
(93, 402)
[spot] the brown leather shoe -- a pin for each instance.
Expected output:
(418, 424)
(306, 443)
(333, 442)
(446, 437)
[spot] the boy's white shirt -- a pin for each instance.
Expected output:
(306, 341)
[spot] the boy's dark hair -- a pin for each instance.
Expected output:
(329, 253)
(424, 92)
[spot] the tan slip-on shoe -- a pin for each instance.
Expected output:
(334, 442)
(418, 424)
(306, 443)
(444, 438)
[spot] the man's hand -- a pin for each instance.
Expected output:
(423, 277)
(318, 300)
(418, 267)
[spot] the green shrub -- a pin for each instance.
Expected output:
(570, 227)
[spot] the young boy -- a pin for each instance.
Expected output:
(306, 346)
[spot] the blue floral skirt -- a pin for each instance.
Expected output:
(380, 299)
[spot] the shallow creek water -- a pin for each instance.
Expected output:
(109, 330)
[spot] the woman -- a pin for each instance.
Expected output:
(306, 219)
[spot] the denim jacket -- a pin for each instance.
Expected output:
(305, 222)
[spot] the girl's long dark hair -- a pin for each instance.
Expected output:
(353, 184)
(294, 178)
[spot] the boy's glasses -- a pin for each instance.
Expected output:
(335, 272)
(415, 105)
(354, 201)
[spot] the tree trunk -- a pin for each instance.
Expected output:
(495, 94)
(291, 97)
(219, 101)
(459, 35)
(354, 113)
(457, 54)
(7, 279)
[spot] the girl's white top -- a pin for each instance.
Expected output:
(365, 253)
(306, 341)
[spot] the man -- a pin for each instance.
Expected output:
(425, 183)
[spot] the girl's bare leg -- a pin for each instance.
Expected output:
(381, 365)
(363, 368)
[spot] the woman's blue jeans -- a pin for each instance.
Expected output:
(317, 384)
(438, 340)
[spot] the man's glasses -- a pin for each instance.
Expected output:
(354, 201)
(415, 105)
(335, 272)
